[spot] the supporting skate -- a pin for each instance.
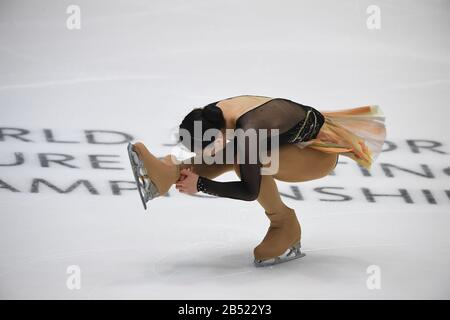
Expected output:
(293, 253)
(282, 240)
(147, 189)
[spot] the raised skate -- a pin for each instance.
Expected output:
(153, 176)
(147, 189)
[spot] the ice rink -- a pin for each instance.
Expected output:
(135, 68)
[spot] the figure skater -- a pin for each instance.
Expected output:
(310, 143)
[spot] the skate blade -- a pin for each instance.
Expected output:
(293, 253)
(146, 188)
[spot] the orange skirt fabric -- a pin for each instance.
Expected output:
(357, 133)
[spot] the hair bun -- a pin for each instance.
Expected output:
(213, 114)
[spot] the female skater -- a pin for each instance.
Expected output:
(310, 143)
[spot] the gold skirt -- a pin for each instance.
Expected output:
(357, 133)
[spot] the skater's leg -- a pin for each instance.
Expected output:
(297, 165)
(284, 231)
(212, 171)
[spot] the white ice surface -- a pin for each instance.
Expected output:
(139, 66)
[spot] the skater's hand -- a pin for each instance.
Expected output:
(183, 176)
(187, 182)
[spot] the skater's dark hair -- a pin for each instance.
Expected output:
(211, 117)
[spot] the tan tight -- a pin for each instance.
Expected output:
(295, 165)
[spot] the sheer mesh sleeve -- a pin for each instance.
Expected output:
(246, 189)
(282, 114)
